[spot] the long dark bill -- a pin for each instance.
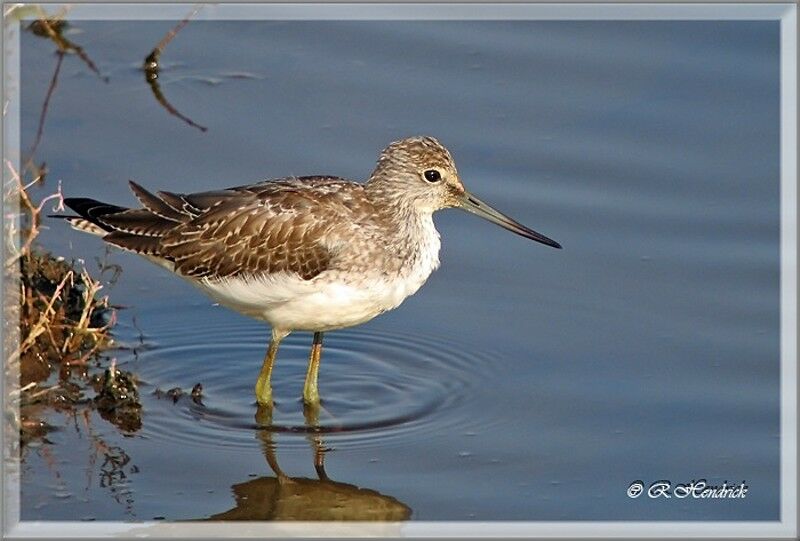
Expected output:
(472, 204)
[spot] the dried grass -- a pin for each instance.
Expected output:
(55, 321)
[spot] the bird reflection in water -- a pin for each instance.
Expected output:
(284, 498)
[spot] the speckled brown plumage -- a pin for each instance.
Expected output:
(301, 225)
(264, 228)
(302, 253)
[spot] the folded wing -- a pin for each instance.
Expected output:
(267, 228)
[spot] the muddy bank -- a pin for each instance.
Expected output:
(58, 333)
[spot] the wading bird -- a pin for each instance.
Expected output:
(313, 253)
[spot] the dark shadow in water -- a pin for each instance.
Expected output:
(297, 498)
(152, 68)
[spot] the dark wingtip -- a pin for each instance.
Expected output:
(81, 205)
(137, 190)
(92, 210)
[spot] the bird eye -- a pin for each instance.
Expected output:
(432, 175)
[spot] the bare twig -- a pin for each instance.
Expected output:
(44, 318)
(52, 27)
(156, 88)
(172, 33)
(19, 191)
(45, 106)
(152, 68)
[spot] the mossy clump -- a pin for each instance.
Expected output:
(117, 398)
(62, 323)
(57, 326)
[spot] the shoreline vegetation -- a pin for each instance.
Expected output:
(58, 337)
(57, 324)
(57, 328)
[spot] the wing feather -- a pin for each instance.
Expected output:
(139, 222)
(293, 225)
(262, 229)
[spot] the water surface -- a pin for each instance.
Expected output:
(521, 382)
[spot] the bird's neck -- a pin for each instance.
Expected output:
(394, 204)
(412, 235)
(416, 240)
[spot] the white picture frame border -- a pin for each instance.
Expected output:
(785, 12)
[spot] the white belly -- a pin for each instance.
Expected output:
(291, 303)
(333, 299)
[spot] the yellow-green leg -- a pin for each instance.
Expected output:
(263, 386)
(310, 389)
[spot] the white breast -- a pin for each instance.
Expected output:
(332, 300)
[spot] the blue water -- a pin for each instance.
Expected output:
(521, 382)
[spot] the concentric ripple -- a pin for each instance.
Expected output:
(376, 385)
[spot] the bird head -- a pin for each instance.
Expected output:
(420, 172)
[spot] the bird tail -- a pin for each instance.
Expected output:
(136, 230)
(90, 213)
